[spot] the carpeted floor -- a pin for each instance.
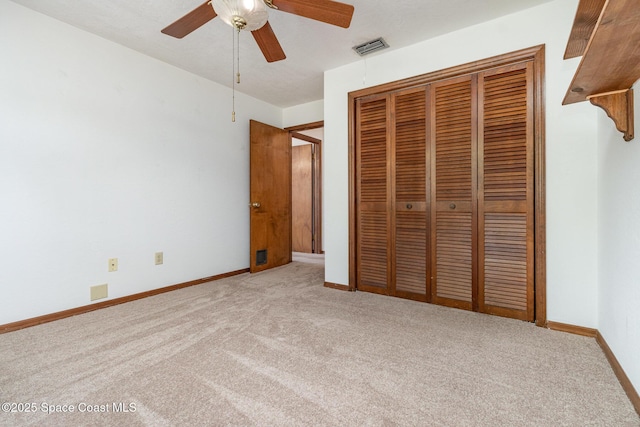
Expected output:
(278, 349)
(308, 258)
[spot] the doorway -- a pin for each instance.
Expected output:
(271, 194)
(306, 181)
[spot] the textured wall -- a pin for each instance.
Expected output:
(107, 153)
(619, 242)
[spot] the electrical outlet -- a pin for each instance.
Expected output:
(99, 292)
(159, 258)
(113, 264)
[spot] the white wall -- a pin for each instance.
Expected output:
(302, 114)
(108, 153)
(570, 142)
(619, 242)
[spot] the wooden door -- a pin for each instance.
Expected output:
(270, 193)
(506, 192)
(409, 194)
(448, 190)
(393, 194)
(453, 182)
(302, 198)
(373, 193)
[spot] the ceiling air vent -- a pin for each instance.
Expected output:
(371, 46)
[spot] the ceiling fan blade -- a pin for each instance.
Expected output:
(331, 12)
(268, 43)
(191, 21)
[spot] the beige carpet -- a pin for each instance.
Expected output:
(308, 258)
(278, 349)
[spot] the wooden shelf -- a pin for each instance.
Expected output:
(611, 59)
(583, 26)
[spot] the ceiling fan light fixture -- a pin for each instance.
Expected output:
(247, 15)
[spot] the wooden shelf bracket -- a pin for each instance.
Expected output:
(619, 107)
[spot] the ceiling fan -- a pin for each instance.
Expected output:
(252, 15)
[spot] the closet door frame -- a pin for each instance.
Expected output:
(536, 55)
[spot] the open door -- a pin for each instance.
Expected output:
(270, 192)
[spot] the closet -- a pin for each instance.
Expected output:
(444, 198)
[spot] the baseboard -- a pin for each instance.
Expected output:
(572, 329)
(336, 286)
(627, 386)
(624, 380)
(10, 327)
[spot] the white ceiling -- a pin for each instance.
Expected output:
(311, 47)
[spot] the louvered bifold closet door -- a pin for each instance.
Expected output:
(506, 199)
(453, 193)
(373, 192)
(409, 165)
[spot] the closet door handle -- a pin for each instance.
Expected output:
(409, 206)
(452, 206)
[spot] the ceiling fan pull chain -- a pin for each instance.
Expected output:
(233, 83)
(236, 75)
(238, 56)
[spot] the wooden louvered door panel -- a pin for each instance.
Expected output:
(506, 199)
(373, 193)
(409, 172)
(453, 192)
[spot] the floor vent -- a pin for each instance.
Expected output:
(261, 257)
(371, 46)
